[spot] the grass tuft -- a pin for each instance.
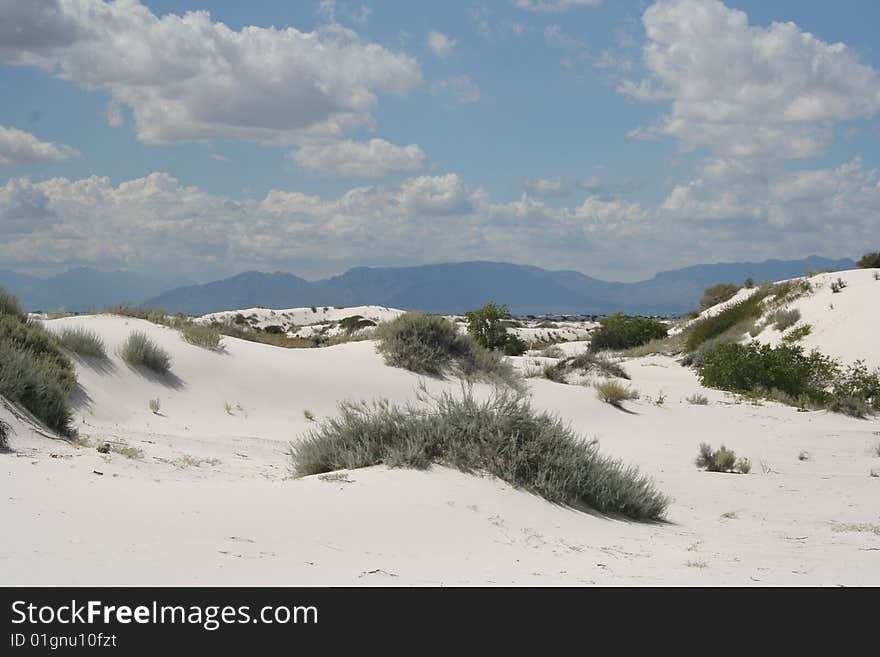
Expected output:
(614, 393)
(83, 342)
(140, 351)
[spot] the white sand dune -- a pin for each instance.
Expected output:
(209, 498)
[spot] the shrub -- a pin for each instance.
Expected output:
(750, 283)
(275, 329)
(614, 393)
(838, 285)
(486, 326)
(785, 318)
(154, 405)
(34, 372)
(552, 351)
(355, 323)
(698, 399)
(742, 314)
(140, 351)
(721, 460)
(869, 261)
(797, 334)
(503, 436)
(620, 331)
(719, 293)
(82, 342)
(201, 335)
(5, 430)
(584, 363)
(514, 346)
(431, 345)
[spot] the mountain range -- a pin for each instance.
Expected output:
(442, 288)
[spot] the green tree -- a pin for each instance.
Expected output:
(869, 261)
(486, 325)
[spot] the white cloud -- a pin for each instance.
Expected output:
(372, 159)
(188, 78)
(440, 44)
(219, 157)
(555, 6)
(114, 114)
(462, 88)
(19, 148)
(546, 187)
(743, 90)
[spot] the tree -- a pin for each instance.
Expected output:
(869, 261)
(486, 326)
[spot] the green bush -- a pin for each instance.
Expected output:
(620, 331)
(797, 334)
(503, 436)
(200, 335)
(139, 351)
(785, 318)
(514, 346)
(716, 294)
(869, 261)
(488, 327)
(428, 344)
(9, 306)
(698, 399)
(355, 323)
(721, 460)
(742, 313)
(82, 342)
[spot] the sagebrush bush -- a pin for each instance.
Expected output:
(620, 331)
(82, 342)
(428, 344)
(201, 335)
(140, 351)
(785, 318)
(585, 363)
(721, 460)
(5, 430)
(614, 393)
(34, 372)
(355, 323)
(719, 293)
(698, 399)
(502, 435)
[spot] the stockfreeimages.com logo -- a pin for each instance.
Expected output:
(210, 617)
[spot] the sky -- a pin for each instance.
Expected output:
(617, 138)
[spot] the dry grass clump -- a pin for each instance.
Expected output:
(502, 435)
(201, 335)
(614, 393)
(721, 460)
(83, 342)
(5, 430)
(140, 351)
(698, 399)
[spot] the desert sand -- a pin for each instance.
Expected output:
(202, 492)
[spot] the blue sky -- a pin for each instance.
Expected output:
(617, 138)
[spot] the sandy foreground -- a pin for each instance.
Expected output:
(208, 498)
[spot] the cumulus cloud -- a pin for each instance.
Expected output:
(746, 90)
(555, 6)
(188, 78)
(440, 44)
(373, 159)
(462, 88)
(19, 148)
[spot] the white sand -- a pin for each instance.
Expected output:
(210, 500)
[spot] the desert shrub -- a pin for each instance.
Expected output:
(9, 306)
(552, 351)
(355, 323)
(154, 405)
(82, 342)
(515, 346)
(736, 314)
(554, 373)
(275, 329)
(721, 460)
(620, 331)
(716, 294)
(838, 285)
(752, 367)
(34, 372)
(585, 363)
(669, 346)
(428, 344)
(856, 390)
(502, 435)
(201, 335)
(797, 334)
(869, 261)
(488, 327)
(749, 283)
(698, 399)
(614, 393)
(148, 313)
(5, 430)
(140, 351)
(785, 318)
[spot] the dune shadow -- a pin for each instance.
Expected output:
(80, 398)
(100, 365)
(622, 408)
(169, 379)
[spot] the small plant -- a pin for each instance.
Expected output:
(314, 309)
(804, 456)
(838, 285)
(877, 275)
(797, 334)
(698, 399)
(661, 399)
(719, 294)
(201, 335)
(140, 351)
(749, 284)
(82, 342)
(721, 460)
(621, 331)
(228, 408)
(154, 406)
(307, 414)
(5, 430)
(785, 318)
(553, 351)
(612, 392)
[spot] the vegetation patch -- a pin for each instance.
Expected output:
(585, 363)
(83, 342)
(785, 318)
(797, 334)
(721, 460)
(716, 294)
(5, 430)
(621, 331)
(140, 351)
(869, 261)
(201, 335)
(488, 327)
(503, 436)
(614, 393)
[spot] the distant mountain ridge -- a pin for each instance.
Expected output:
(455, 287)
